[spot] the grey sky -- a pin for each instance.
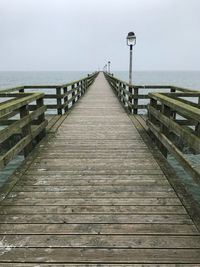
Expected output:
(85, 34)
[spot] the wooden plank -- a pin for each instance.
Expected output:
(101, 241)
(6, 118)
(91, 201)
(65, 155)
(89, 194)
(96, 181)
(76, 164)
(48, 86)
(18, 88)
(96, 218)
(94, 265)
(89, 188)
(181, 89)
(80, 255)
(117, 209)
(100, 228)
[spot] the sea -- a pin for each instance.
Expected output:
(186, 79)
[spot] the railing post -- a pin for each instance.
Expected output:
(86, 84)
(197, 128)
(173, 113)
(41, 119)
(172, 90)
(118, 90)
(123, 94)
(73, 95)
(26, 130)
(65, 100)
(167, 112)
(79, 90)
(59, 100)
(153, 103)
(21, 90)
(130, 99)
(135, 101)
(151, 118)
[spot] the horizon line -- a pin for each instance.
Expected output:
(178, 70)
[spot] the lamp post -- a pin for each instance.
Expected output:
(109, 67)
(131, 41)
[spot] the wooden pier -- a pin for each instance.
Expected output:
(96, 192)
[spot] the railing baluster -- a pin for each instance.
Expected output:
(130, 99)
(65, 99)
(167, 112)
(135, 101)
(26, 130)
(73, 94)
(41, 119)
(197, 127)
(59, 100)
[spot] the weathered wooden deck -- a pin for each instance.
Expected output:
(94, 193)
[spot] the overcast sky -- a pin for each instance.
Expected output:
(85, 34)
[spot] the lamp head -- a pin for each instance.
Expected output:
(131, 39)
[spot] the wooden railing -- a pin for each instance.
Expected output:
(173, 117)
(174, 122)
(22, 114)
(57, 98)
(20, 129)
(135, 98)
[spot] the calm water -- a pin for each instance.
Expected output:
(184, 79)
(189, 79)
(15, 78)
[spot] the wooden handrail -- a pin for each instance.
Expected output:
(20, 134)
(175, 126)
(61, 103)
(18, 103)
(131, 95)
(22, 114)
